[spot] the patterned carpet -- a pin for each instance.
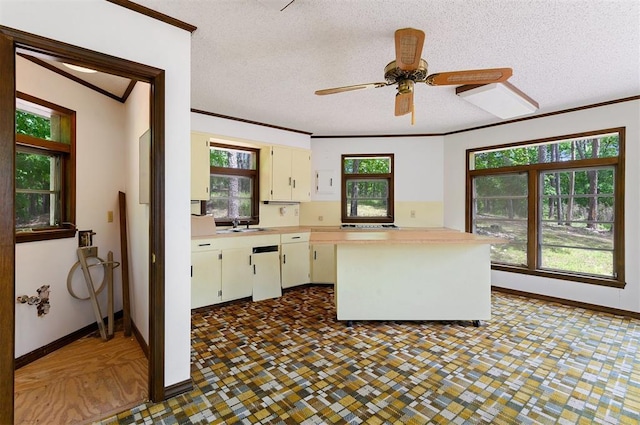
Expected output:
(288, 361)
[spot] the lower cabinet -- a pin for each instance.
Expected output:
(266, 272)
(237, 273)
(323, 263)
(294, 262)
(206, 280)
(228, 268)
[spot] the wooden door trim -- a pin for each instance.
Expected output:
(7, 227)
(10, 41)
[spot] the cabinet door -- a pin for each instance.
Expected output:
(301, 175)
(237, 273)
(281, 174)
(205, 278)
(323, 264)
(266, 276)
(295, 264)
(199, 167)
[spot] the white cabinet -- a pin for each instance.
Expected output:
(294, 266)
(257, 266)
(326, 182)
(237, 273)
(323, 263)
(301, 175)
(266, 272)
(286, 174)
(206, 284)
(200, 169)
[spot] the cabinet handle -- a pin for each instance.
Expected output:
(284, 258)
(295, 237)
(204, 244)
(315, 255)
(250, 259)
(254, 269)
(294, 183)
(289, 181)
(331, 181)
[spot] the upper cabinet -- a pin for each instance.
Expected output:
(199, 167)
(285, 174)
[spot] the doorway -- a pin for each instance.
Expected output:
(10, 41)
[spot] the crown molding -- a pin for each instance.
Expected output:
(154, 14)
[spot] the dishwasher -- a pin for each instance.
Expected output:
(266, 272)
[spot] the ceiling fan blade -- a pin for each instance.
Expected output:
(474, 76)
(404, 103)
(409, 42)
(351, 88)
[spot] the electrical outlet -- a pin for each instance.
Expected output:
(109, 216)
(413, 213)
(320, 218)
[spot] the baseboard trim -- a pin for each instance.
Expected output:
(141, 342)
(39, 353)
(178, 388)
(595, 307)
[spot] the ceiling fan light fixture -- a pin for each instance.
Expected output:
(503, 100)
(405, 86)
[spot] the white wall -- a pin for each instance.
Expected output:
(418, 163)
(244, 132)
(418, 177)
(137, 118)
(107, 28)
(99, 176)
(618, 115)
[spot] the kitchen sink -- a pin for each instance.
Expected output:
(239, 230)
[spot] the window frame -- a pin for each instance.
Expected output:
(534, 171)
(65, 150)
(388, 177)
(252, 174)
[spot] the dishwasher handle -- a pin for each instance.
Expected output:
(263, 249)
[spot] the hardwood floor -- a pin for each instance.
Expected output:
(82, 382)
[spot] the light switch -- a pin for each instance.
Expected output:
(109, 216)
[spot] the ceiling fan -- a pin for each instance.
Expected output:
(409, 68)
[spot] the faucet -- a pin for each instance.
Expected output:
(235, 222)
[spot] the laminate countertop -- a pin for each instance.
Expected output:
(337, 235)
(399, 236)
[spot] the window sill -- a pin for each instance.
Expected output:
(43, 235)
(592, 280)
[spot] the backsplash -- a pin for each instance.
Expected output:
(271, 215)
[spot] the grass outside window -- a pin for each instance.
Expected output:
(559, 204)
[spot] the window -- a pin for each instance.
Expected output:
(45, 170)
(558, 202)
(367, 188)
(233, 184)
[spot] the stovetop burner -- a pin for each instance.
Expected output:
(369, 226)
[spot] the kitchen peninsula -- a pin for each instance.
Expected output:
(410, 274)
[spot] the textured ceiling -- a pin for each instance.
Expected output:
(254, 62)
